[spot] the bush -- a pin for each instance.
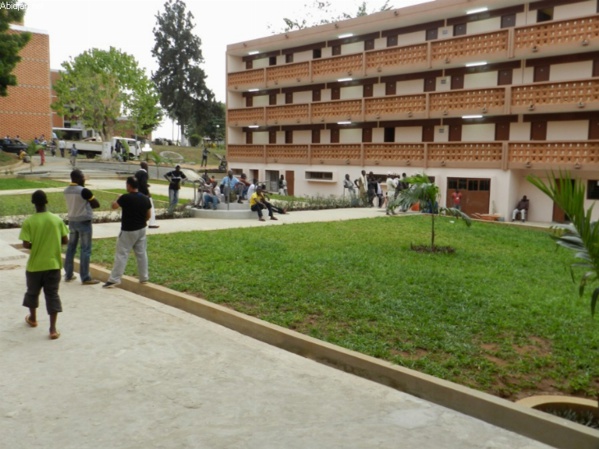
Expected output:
(194, 140)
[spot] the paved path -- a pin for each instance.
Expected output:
(130, 373)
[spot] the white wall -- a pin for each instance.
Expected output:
(570, 130)
(520, 131)
(478, 133)
(408, 87)
(352, 93)
(408, 134)
(581, 9)
(570, 71)
(480, 80)
(260, 138)
(302, 137)
(350, 136)
(484, 26)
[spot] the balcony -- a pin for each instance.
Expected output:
(583, 155)
(288, 115)
(464, 102)
(337, 111)
(398, 154)
(288, 75)
(247, 79)
(460, 50)
(465, 155)
(550, 38)
(246, 117)
(330, 69)
(395, 108)
(554, 155)
(555, 97)
(412, 58)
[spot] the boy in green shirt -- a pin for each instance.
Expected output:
(43, 233)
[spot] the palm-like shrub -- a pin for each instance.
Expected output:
(581, 235)
(421, 190)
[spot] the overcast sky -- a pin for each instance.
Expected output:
(75, 26)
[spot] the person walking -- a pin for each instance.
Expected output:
(74, 153)
(62, 146)
(136, 210)
(283, 186)
(142, 178)
(175, 178)
(80, 205)
(43, 233)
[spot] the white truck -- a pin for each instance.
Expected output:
(94, 146)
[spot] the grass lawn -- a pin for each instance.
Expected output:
(20, 183)
(500, 315)
(21, 204)
(193, 154)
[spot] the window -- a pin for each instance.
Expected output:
(319, 175)
(459, 29)
(389, 134)
(317, 53)
(249, 64)
(543, 15)
(391, 41)
(390, 88)
(369, 44)
(288, 136)
(509, 20)
(593, 189)
(272, 60)
(336, 50)
(432, 34)
(289, 57)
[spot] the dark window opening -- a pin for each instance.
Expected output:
(392, 41)
(325, 176)
(336, 50)
(317, 53)
(390, 88)
(369, 44)
(288, 136)
(432, 34)
(289, 57)
(459, 29)
(389, 135)
(543, 15)
(272, 60)
(249, 64)
(592, 189)
(508, 21)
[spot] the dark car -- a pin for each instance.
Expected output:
(12, 145)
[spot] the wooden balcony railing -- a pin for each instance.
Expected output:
(244, 117)
(289, 114)
(288, 74)
(544, 155)
(248, 78)
(405, 106)
(548, 97)
(477, 101)
(489, 45)
(338, 66)
(547, 35)
(397, 153)
(489, 155)
(337, 110)
(413, 57)
(465, 154)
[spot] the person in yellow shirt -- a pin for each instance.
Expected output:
(258, 203)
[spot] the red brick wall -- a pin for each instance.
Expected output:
(26, 110)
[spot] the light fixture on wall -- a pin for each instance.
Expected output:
(528, 164)
(344, 35)
(254, 126)
(253, 52)
(343, 80)
(346, 122)
(477, 10)
(476, 64)
(531, 107)
(467, 117)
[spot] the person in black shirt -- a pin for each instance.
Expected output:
(136, 209)
(142, 177)
(175, 178)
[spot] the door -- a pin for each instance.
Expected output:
(559, 216)
(289, 176)
(476, 194)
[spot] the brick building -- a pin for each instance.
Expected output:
(476, 94)
(26, 110)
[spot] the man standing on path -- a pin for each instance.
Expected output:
(136, 209)
(74, 152)
(142, 177)
(80, 202)
(175, 178)
(43, 233)
(205, 153)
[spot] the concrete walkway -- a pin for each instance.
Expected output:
(129, 372)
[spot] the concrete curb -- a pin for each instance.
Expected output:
(531, 423)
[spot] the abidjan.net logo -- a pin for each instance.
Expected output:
(4, 5)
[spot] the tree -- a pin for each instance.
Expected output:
(421, 190)
(582, 234)
(10, 44)
(145, 114)
(98, 87)
(180, 80)
(321, 12)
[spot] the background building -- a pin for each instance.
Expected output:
(476, 94)
(26, 110)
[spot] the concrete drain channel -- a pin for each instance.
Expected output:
(9, 267)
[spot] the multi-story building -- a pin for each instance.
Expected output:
(26, 110)
(476, 94)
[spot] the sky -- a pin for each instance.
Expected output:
(75, 26)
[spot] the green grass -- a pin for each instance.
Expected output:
(193, 154)
(19, 184)
(20, 204)
(7, 159)
(500, 315)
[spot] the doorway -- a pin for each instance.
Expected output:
(290, 178)
(559, 216)
(476, 194)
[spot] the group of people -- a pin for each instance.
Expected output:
(366, 188)
(43, 233)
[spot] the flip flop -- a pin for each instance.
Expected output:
(31, 323)
(54, 335)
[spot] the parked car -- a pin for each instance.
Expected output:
(12, 145)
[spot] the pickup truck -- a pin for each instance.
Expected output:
(94, 146)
